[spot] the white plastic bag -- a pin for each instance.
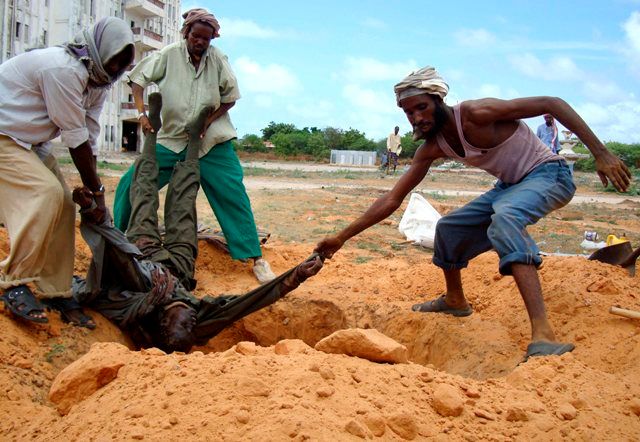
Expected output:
(418, 222)
(591, 245)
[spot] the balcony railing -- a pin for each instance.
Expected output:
(147, 33)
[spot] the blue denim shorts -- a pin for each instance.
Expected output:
(498, 219)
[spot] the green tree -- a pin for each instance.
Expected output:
(409, 146)
(283, 144)
(289, 144)
(316, 146)
(356, 140)
(333, 138)
(277, 128)
(252, 143)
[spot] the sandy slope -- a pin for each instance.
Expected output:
(252, 393)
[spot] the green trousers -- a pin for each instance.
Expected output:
(221, 179)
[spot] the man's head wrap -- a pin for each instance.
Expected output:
(423, 81)
(98, 44)
(199, 15)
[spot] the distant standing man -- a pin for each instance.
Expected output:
(532, 182)
(393, 149)
(548, 133)
(57, 91)
(191, 74)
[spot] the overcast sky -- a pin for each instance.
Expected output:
(334, 63)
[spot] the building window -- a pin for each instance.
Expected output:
(113, 134)
(26, 34)
(18, 29)
(45, 42)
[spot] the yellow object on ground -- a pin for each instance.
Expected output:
(612, 239)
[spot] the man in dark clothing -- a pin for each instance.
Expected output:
(144, 288)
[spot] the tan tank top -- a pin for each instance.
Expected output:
(509, 161)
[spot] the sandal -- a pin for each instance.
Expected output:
(543, 348)
(439, 305)
(21, 302)
(70, 312)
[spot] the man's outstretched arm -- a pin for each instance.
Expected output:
(491, 110)
(383, 206)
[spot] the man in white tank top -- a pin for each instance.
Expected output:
(532, 182)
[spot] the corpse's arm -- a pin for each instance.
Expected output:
(490, 110)
(301, 273)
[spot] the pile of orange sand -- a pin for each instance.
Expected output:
(463, 381)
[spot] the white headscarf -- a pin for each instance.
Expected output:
(423, 81)
(98, 44)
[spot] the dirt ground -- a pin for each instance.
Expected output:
(233, 390)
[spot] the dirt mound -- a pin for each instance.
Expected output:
(260, 395)
(463, 380)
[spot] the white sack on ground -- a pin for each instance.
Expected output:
(419, 221)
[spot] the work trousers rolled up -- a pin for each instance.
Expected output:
(498, 220)
(221, 179)
(37, 209)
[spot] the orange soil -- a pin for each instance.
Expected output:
(249, 393)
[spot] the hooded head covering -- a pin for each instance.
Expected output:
(423, 81)
(199, 15)
(96, 45)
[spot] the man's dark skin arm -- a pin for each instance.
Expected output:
(481, 118)
(138, 99)
(85, 162)
(224, 107)
(387, 203)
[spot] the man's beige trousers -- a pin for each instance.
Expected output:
(39, 214)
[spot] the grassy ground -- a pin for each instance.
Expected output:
(308, 215)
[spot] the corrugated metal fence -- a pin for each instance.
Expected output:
(353, 158)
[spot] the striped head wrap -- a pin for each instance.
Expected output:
(199, 15)
(423, 81)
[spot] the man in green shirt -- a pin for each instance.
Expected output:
(191, 75)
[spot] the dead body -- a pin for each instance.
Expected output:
(144, 288)
(153, 307)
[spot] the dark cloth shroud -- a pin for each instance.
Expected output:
(118, 282)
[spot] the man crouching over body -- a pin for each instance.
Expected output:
(532, 182)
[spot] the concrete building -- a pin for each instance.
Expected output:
(30, 24)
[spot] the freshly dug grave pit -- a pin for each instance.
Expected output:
(464, 382)
(487, 344)
(468, 347)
